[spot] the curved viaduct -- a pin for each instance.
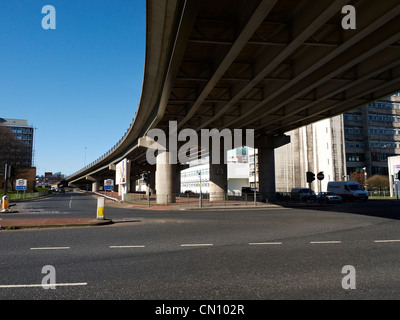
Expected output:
(267, 65)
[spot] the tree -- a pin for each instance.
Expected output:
(358, 176)
(378, 181)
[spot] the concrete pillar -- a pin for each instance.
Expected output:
(266, 164)
(266, 173)
(95, 185)
(165, 179)
(218, 176)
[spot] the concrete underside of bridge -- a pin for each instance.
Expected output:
(267, 65)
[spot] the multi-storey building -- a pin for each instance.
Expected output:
(24, 132)
(318, 147)
(372, 134)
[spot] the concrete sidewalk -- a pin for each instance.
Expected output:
(49, 222)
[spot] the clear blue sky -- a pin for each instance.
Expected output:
(79, 84)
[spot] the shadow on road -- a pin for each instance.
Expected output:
(389, 208)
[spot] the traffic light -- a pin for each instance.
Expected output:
(310, 177)
(145, 177)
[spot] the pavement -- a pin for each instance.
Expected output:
(11, 224)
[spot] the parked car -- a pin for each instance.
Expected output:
(303, 194)
(329, 197)
(189, 192)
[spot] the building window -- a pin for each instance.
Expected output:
(381, 117)
(374, 144)
(372, 117)
(373, 130)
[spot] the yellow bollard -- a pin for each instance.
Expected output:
(100, 208)
(4, 203)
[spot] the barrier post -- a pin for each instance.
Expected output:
(4, 204)
(100, 208)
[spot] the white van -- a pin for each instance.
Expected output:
(348, 190)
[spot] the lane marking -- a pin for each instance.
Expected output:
(326, 242)
(386, 241)
(41, 285)
(120, 247)
(51, 248)
(197, 245)
(264, 243)
(70, 203)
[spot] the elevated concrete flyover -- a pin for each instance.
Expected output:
(267, 65)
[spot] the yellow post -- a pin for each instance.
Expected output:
(4, 203)
(100, 208)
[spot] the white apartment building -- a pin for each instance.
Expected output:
(197, 177)
(318, 147)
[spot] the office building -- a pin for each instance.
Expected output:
(372, 135)
(23, 132)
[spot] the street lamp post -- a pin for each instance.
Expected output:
(201, 195)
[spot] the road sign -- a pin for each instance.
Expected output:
(320, 176)
(21, 184)
(109, 184)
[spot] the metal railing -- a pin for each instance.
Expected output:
(27, 195)
(193, 200)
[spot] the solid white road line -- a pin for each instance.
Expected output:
(386, 241)
(326, 242)
(197, 245)
(51, 248)
(264, 243)
(120, 247)
(41, 285)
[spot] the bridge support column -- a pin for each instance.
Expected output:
(218, 175)
(165, 179)
(95, 183)
(266, 164)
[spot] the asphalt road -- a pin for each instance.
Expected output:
(262, 254)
